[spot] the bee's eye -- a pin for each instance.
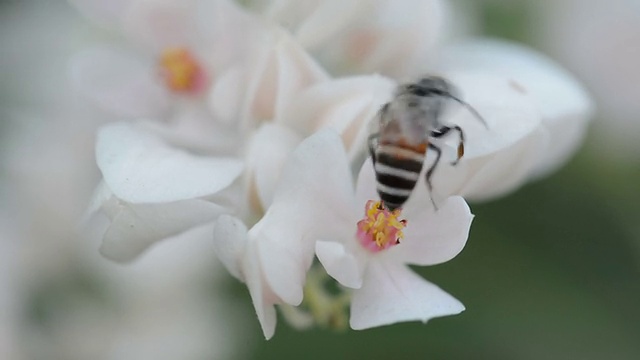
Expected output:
(418, 91)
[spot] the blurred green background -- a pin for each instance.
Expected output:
(550, 272)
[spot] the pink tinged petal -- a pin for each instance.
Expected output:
(281, 70)
(140, 168)
(564, 104)
(269, 149)
(340, 263)
(135, 227)
(120, 83)
(230, 242)
(321, 21)
(434, 237)
(106, 13)
(313, 200)
(159, 24)
(346, 105)
(393, 293)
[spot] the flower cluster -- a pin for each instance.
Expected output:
(256, 118)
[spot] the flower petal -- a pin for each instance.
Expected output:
(230, 242)
(393, 293)
(280, 70)
(135, 227)
(564, 104)
(159, 24)
(105, 13)
(346, 105)
(140, 168)
(434, 237)
(119, 82)
(510, 114)
(262, 297)
(270, 147)
(340, 263)
(310, 203)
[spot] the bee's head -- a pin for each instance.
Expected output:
(427, 86)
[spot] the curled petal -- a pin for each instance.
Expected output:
(262, 296)
(135, 227)
(393, 293)
(119, 82)
(343, 265)
(230, 242)
(281, 68)
(309, 203)
(140, 168)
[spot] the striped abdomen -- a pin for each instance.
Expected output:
(397, 170)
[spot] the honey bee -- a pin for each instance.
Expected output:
(406, 126)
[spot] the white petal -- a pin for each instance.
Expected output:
(230, 242)
(510, 114)
(269, 149)
(121, 83)
(340, 264)
(394, 38)
(310, 203)
(262, 297)
(393, 293)
(434, 237)
(159, 24)
(346, 105)
(106, 13)
(137, 226)
(366, 185)
(492, 175)
(564, 104)
(280, 70)
(140, 168)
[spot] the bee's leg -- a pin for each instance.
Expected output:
(372, 142)
(444, 130)
(430, 172)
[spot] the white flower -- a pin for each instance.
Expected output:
(394, 38)
(178, 48)
(311, 204)
(370, 255)
(152, 191)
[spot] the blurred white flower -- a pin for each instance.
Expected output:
(154, 188)
(599, 42)
(170, 55)
(394, 38)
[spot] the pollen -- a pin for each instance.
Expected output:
(380, 229)
(181, 71)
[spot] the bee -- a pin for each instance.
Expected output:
(406, 127)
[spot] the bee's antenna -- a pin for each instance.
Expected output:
(473, 111)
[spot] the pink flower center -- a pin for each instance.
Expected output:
(380, 229)
(181, 71)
